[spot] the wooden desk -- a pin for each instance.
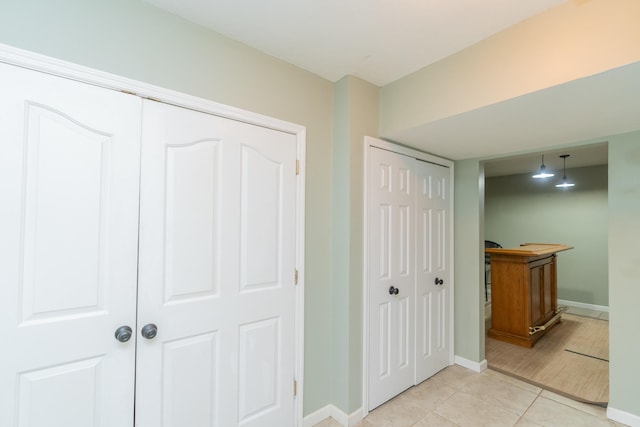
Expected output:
(524, 301)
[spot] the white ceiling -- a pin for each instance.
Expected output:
(383, 40)
(582, 110)
(377, 40)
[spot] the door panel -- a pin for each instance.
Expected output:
(69, 174)
(191, 181)
(384, 340)
(227, 249)
(404, 337)
(65, 210)
(261, 216)
(61, 395)
(433, 204)
(392, 264)
(259, 371)
(547, 296)
(190, 368)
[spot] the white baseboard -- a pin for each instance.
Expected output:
(623, 417)
(331, 411)
(317, 416)
(469, 364)
(355, 417)
(583, 305)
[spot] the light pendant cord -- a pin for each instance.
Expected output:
(564, 183)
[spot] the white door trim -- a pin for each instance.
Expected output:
(374, 142)
(49, 65)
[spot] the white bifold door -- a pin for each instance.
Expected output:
(408, 211)
(433, 269)
(147, 260)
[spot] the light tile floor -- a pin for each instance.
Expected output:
(460, 397)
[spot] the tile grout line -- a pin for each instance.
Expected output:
(538, 395)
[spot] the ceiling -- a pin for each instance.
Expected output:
(582, 156)
(335, 38)
(587, 109)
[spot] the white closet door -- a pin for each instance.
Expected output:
(217, 262)
(433, 270)
(391, 274)
(69, 167)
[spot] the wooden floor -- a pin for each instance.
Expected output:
(572, 359)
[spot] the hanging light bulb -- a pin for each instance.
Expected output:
(543, 173)
(564, 183)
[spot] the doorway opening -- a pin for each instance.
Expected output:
(519, 209)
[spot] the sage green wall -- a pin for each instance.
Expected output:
(364, 119)
(340, 248)
(355, 115)
(624, 272)
(468, 265)
(130, 38)
(521, 209)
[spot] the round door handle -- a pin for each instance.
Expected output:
(123, 333)
(439, 281)
(393, 290)
(149, 331)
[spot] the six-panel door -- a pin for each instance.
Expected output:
(433, 267)
(391, 207)
(409, 270)
(69, 173)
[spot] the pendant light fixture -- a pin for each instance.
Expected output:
(564, 183)
(543, 173)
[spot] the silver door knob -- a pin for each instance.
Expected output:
(149, 331)
(123, 333)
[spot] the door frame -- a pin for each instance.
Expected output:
(420, 155)
(42, 63)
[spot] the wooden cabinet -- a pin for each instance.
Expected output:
(523, 292)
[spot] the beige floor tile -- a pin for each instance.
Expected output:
(547, 412)
(434, 420)
(594, 410)
(398, 412)
(455, 375)
(428, 394)
(460, 397)
(329, 422)
(500, 392)
(523, 422)
(467, 410)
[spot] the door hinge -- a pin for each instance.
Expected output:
(295, 388)
(297, 167)
(296, 277)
